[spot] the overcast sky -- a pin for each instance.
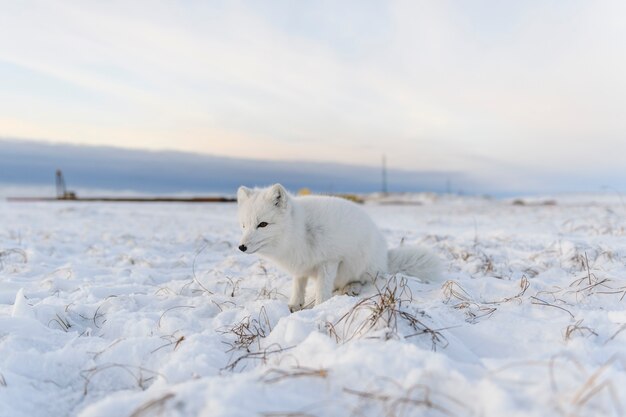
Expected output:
(526, 91)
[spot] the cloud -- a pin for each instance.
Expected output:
(531, 86)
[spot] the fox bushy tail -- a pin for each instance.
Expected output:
(416, 262)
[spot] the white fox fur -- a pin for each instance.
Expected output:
(327, 238)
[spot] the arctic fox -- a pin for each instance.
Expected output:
(328, 238)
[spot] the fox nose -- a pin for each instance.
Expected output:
(243, 248)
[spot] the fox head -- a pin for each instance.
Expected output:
(262, 217)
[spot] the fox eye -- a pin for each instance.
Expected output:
(262, 224)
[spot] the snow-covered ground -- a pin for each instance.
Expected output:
(149, 310)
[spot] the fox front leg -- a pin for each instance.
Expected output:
(296, 302)
(325, 282)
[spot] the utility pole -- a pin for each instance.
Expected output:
(384, 174)
(61, 190)
(62, 193)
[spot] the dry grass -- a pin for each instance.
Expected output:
(248, 331)
(193, 267)
(14, 255)
(172, 339)
(593, 386)
(621, 329)
(578, 329)
(590, 284)
(477, 310)
(572, 389)
(63, 323)
(274, 375)
(474, 311)
(390, 398)
(170, 309)
(97, 315)
(115, 342)
(142, 376)
(154, 407)
(268, 291)
(482, 260)
(544, 303)
(579, 401)
(415, 400)
(232, 286)
(383, 312)
(582, 288)
(262, 355)
(221, 305)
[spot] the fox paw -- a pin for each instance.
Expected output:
(353, 288)
(295, 307)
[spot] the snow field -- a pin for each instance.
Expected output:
(143, 310)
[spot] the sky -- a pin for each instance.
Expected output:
(527, 94)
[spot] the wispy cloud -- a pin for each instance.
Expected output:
(444, 85)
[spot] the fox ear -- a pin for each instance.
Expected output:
(278, 195)
(243, 193)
